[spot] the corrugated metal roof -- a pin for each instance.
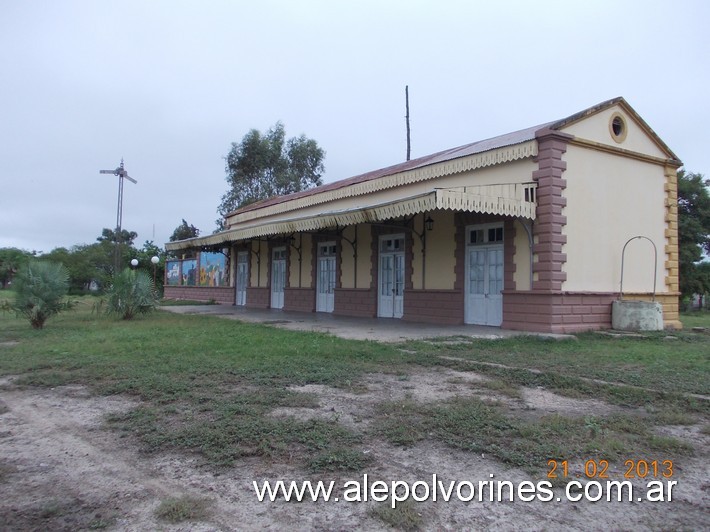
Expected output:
(480, 146)
(473, 148)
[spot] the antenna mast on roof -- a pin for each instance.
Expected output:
(406, 97)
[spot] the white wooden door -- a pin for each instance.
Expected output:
(484, 301)
(278, 277)
(325, 299)
(391, 277)
(242, 277)
(484, 274)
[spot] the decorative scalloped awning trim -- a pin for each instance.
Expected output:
(515, 199)
(463, 164)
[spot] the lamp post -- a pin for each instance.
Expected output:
(134, 263)
(154, 260)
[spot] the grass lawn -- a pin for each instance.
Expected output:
(662, 362)
(696, 318)
(207, 385)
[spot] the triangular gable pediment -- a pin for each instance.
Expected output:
(615, 124)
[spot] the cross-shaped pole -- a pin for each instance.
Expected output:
(122, 174)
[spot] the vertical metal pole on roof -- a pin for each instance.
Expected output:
(409, 146)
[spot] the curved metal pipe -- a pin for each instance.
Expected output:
(655, 266)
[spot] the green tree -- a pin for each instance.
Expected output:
(11, 260)
(87, 264)
(266, 165)
(693, 229)
(124, 237)
(121, 246)
(702, 282)
(40, 287)
(184, 231)
(62, 256)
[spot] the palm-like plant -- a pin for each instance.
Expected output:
(131, 293)
(40, 287)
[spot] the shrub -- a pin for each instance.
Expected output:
(40, 287)
(131, 293)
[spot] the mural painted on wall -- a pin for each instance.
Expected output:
(213, 269)
(209, 269)
(189, 272)
(172, 272)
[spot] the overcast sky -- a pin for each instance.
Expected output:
(169, 85)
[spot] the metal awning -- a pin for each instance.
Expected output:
(515, 199)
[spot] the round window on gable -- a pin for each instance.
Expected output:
(617, 127)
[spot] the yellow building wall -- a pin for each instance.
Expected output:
(347, 260)
(252, 265)
(232, 266)
(521, 258)
(259, 279)
(293, 267)
(440, 258)
(609, 200)
(306, 277)
(417, 270)
(300, 273)
(364, 256)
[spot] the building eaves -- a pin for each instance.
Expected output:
(501, 141)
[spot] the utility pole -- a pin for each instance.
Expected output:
(122, 174)
(409, 146)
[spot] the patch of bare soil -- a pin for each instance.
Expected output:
(547, 402)
(354, 409)
(61, 470)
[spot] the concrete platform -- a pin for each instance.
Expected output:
(376, 329)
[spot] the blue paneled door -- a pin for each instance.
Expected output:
(484, 280)
(390, 302)
(278, 277)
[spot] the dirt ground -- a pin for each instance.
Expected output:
(62, 469)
